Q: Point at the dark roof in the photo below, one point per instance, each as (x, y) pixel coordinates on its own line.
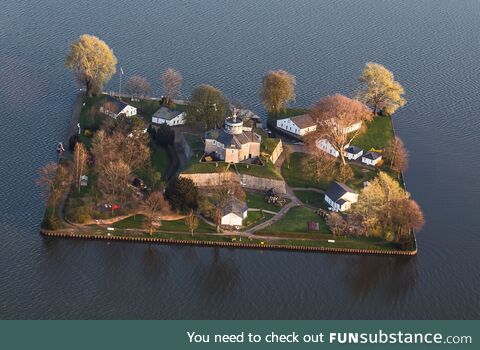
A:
(336, 190)
(220, 135)
(166, 113)
(235, 206)
(372, 155)
(303, 121)
(353, 150)
(117, 105)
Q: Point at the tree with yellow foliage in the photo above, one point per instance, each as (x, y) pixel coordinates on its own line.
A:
(278, 89)
(92, 61)
(379, 90)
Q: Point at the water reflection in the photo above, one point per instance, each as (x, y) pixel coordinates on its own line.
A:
(219, 276)
(390, 277)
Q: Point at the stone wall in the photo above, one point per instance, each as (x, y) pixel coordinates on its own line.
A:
(262, 184)
(247, 181)
(211, 179)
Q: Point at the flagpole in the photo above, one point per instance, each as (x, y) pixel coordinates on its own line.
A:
(120, 88)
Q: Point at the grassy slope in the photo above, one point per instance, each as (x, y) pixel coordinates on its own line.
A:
(257, 200)
(379, 133)
(295, 221)
(160, 160)
(311, 198)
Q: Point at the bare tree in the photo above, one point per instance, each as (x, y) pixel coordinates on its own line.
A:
(337, 224)
(80, 159)
(407, 216)
(152, 207)
(137, 86)
(172, 82)
(378, 89)
(319, 167)
(334, 116)
(54, 180)
(113, 180)
(396, 154)
(278, 89)
(191, 221)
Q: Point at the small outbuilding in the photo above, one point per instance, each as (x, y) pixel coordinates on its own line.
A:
(84, 180)
(340, 197)
(234, 213)
(168, 116)
(371, 158)
(353, 152)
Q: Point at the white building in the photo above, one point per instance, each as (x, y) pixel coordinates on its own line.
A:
(327, 147)
(353, 152)
(371, 158)
(169, 116)
(300, 125)
(234, 213)
(351, 128)
(113, 108)
(340, 197)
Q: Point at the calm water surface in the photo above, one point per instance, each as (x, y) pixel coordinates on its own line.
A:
(433, 46)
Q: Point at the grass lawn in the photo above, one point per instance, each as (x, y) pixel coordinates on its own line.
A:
(138, 221)
(257, 200)
(297, 177)
(255, 218)
(379, 132)
(295, 221)
(312, 198)
(161, 160)
(267, 170)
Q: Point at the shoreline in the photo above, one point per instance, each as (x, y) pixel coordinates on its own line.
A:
(169, 241)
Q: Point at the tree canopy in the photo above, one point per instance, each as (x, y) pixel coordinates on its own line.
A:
(278, 89)
(182, 194)
(378, 89)
(208, 107)
(384, 207)
(333, 116)
(92, 62)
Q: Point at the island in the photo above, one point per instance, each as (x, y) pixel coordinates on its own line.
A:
(208, 171)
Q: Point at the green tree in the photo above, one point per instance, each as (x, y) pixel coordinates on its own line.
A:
(191, 221)
(92, 62)
(164, 135)
(208, 107)
(378, 89)
(278, 89)
(182, 194)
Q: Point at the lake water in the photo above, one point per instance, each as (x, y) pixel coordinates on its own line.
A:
(432, 46)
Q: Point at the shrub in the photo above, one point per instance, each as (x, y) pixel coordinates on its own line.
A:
(51, 222)
(99, 215)
(81, 214)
